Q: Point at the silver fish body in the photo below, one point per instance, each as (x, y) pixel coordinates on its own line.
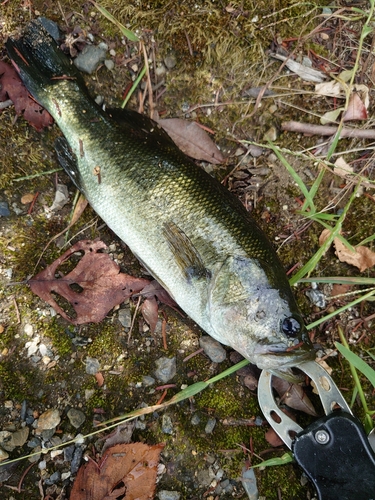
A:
(193, 235)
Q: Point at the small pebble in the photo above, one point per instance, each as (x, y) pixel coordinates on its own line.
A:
(56, 476)
(148, 381)
(109, 64)
(170, 61)
(28, 329)
(76, 461)
(56, 453)
(166, 369)
(27, 198)
(271, 134)
(90, 58)
(211, 422)
(249, 483)
(49, 419)
(125, 317)
(166, 424)
(92, 366)
(76, 417)
(68, 453)
(4, 209)
(3, 455)
(19, 437)
(34, 442)
(45, 351)
(42, 464)
(195, 419)
(169, 495)
(213, 349)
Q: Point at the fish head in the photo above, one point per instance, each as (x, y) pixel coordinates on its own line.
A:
(257, 318)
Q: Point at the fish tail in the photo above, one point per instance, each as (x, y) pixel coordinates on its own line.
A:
(39, 61)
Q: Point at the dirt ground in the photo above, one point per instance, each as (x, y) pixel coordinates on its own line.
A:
(207, 60)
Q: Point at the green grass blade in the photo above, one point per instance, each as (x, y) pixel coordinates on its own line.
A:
(357, 362)
(125, 31)
(314, 187)
(134, 86)
(284, 459)
(296, 178)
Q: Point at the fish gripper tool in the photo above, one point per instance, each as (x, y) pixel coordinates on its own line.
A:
(333, 451)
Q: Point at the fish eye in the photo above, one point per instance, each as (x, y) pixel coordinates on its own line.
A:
(291, 327)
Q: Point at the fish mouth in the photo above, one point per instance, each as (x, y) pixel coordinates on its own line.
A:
(278, 357)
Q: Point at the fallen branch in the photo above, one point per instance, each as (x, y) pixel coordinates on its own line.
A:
(308, 128)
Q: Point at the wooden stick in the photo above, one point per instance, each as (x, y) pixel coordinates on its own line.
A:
(308, 128)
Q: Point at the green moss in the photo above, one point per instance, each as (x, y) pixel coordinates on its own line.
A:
(56, 331)
(17, 380)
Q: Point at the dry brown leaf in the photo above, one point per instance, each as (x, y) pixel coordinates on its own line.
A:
(11, 87)
(356, 109)
(363, 257)
(126, 471)
(149, 310)
(342, 168)
(293, 395)
(192, 139)
(324, 236)
(272, 437)
(102, 285)
(340, 289)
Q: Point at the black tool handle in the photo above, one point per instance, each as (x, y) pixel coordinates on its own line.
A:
(336, 455)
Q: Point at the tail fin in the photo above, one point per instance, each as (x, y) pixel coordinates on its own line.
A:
(39, 61)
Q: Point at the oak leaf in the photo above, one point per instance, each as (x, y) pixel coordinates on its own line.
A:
(101, 286)
(125, 471)
(11, 87)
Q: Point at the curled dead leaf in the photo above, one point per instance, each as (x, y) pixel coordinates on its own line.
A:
(11, 87)
(293, 395)
(356, 109)
(362, 257)
(192, 139)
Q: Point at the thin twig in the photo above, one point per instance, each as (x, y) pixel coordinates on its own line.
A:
(308, 128)
(17, 311)
(133, 318)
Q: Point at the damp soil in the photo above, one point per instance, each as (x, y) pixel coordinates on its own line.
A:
(221, 50)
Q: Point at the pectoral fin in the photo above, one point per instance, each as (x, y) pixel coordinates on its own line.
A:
(186, 255)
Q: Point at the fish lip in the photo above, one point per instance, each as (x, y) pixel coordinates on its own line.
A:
(279, 358)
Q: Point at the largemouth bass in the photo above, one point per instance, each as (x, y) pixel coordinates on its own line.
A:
(187, 229)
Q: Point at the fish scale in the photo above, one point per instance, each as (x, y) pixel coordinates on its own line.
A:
(186, 228)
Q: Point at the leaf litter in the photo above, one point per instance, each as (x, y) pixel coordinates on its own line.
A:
(12, 88)
(125, 471)
(95, 286)
(363, 258)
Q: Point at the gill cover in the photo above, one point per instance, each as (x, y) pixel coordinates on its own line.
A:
(244, 303)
